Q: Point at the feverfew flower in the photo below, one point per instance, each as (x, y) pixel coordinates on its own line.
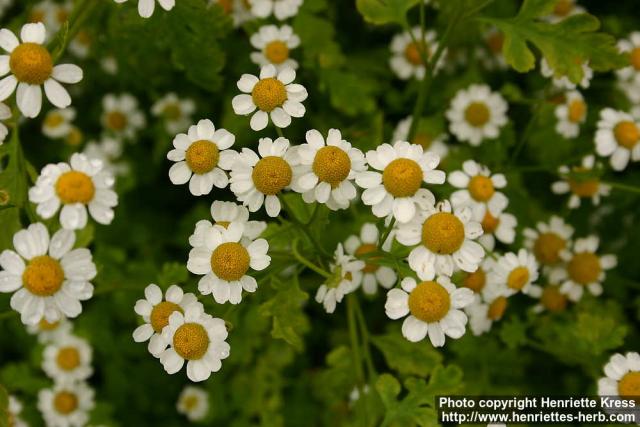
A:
(146, 7)
(346, 273)
(327, 169)
(581, 182)
(202, 156)
(622, 376)
(571, 114)
(53, 15)
(518, 272)
(49, 278)
(396, 189)
(240, 10)
(31, 66)
(281, 9)
(551, 300)
(549, 240)
(193, 402)
(501, 227)
(50, 332)
(5, 113)
(618, 137)
(121, 115)
(477, 113)
(58, 123)
(68, 359)
(433, 308)
(435, 143)
(563, 82)
(223, 214)
(67, 404)
(408, 56)
(78, 185)
(478, 190)
(15, 407)
(109, 151)
(487, 309)
(629, 77)
(175, 112)
(273, 94)
(274, 46)
(563, 9)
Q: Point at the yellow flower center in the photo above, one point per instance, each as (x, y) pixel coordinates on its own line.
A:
(75, 187)
(481, 188)
(48, 326)
(62, 15)
(84, 38)
(68, 358)
(224, 224)
(518, 277)
(547, 248)
(627, 134)
(364, 249)
(116, 120)
(495, 42)
(563, 8)
(402, 177)
(160, 314)
(271, 175)
(172, 111)
(191, 341)
(422, 139)
(53, 120)
(584, 268)
(276, 52)
(552, 299)
(190, 402)
(475, 281)
(268, 94)
(429, 302)
(31, 63)
(583, 187)
(413, 52)
(65, 402)
(477, 114)
(634, 58)
(577, 110)
(443, 233)
(629, 386)
(43, 276)
(4, 197)
(230, 261)
(497, 308)
(490, 223)
(75, 137)
(36, 15)
(332, 165)
(202, 156)
(227, 6)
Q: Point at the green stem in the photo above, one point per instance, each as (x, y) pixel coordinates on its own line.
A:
(477, 9)
(353, 334)
(387, 231)
(371, 370)
(526, 134)
(306, 262)
(624, 187)
(8, 314)
(78, 16)
(280, 132)
(303, 227)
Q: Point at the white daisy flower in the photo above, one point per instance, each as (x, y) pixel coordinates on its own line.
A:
(147, 7)
(202, 156)
(175, 112)
(155, 312)
(618, 137)
(571, 114)
(396, 189)
(444, 239)
(564, 9)
(259, 180)
(585, 268)
(121, 115)
(407, 55)
(490, 308)
(478, 190)
(274, 46)
(50, 332)
(622, 377)
(224, 261)
(15, 407)
(518, 272)
(53, 15)
(429, 142)
(327, 169)
(31, 66)
(68, 359)
(492, 57)
(193, 402)
(477, 280)
(581, 183)
(346, 273)
(109, 151)
(240, 10)
(198, 339)
(433, 308)
(67, 404)
(81, 44)
(5, 114)
(372, 274)
(629, 77)
(78, 185)
(501, 227)
(49, 278)
(477, 113)
(273, 94)
(551, 300)
(549, 240)
(281, 9)
(563, 82)
(58, 123)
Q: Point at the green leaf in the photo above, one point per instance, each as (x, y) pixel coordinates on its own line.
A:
(405, 357)
(172, 273)
(385, 11)
(513, 332)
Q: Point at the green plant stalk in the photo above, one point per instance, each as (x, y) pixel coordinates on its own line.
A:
(623, 187)
(387, 231)
(303, 228)
(366, 344)
(353, 335)
(306, 262)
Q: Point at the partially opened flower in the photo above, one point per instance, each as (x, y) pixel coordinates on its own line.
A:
(618, 137)
(478, 190)
(66, 404)
(551, 299)
(193, 402)
(409, 52)
(121, 115)
(501, 227)
(571, 114)
(622, 376)
(175, 112)
(549, 240)
(68, 359)
(582, 182)
(58, 123)
(518, 272)
(281, 9)
(487, 309)
(346, 273)
(564, 9)
(275, 45)
(147, 7)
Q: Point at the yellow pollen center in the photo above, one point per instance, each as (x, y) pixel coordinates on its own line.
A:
(584, 268)
(116, 120)
(84, 38)
(65, 402)
(489, 223)
(413, 52)
(227, 6)
(497, 308)
(443, 233)
(577, 110)
(43, 276)
(481, 188)
(172, 111)
(364, 249)
(230, 261)
(223, 224)
(629, 386)
(53, 120)
(191, 341)
(75, 137)
(475, 281)
(477, 114)
(563, 8)
(268, 94)
(68, 358)
(429, 302)
(584, 187)
(202, 156)
(75, 187)
(518, 278)
(276, 52)
(31, 63)
(635, 58)
(495, 42)
(402, 177)
(423, 140)
(331, 165)
(48, 326)
(547, 248)
(190, 402)
(627, 134)
(552, 299)
(62, 15)
(271, 175)
(160, 314)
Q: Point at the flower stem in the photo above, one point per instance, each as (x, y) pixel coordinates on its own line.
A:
(371, 370)
(306, 262)
(280, 132)
(387, 231)
(353, 334)
(624, 187)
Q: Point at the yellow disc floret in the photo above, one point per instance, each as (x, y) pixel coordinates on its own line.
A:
(43, 276)
(414, 51)
(627, 134)
(497, 308)
(634, 58)
(230, 261)
(481, 188)
(172, 111)
(276, 52)
(443, 233)
(584, 268)
(422, 139)
(53, 120)
(191, 341)
(518, 278)
(563, 8)
(364, 249)
(402, 177)
(116, 120)
(586, 187)
(65, 402)
(268, 94)
(68, 358)
(202, 156)
(629, 386)
(477, 114)
(160, 314)
(475, 281)
(489, 223)
(331, 165)
(547, 248)
(75, 187)
(577, 110)
(552, 299)
(271, 175)
(31, 63)
(429, 302)
(44, 325)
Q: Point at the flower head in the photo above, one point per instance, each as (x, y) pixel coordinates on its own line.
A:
(622, 376)
(274, 46)
(147, 7)
(582, 182)
(193, 402)
(68, 359)
(571, 113)
(618, 137)
(66, 404)
(517, 272)
(175, 112)
(478, 190)
(409, 51)
(281, 9)
(121, 115)
(346, 275)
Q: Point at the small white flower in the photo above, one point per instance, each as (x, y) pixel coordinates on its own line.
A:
(175, 112)
(618, 137)
(281, 9)
(58, 123)
(518, 272)
(147, 7)
(436, 143)
(54, 278)
(155, 312)
(240, 10)
(121, 115)
(274, 46)
(629, 77)
(548, 241)
(444, 239)
(571, 114)
(581, 182)
(198, 339)
(563, 82)
(259, 180)
(477, 113)
(68, 359)
(622, 376)
(31, 66)
(564, 9)
(396, 189)
(551, 300)
(501, 227)
(433, 308)
(224, 261)
(273, 94)
(193, 402)
(478, 190)
(5, 113)
(78, 185)
(81, 44)
(109, 151)
(15, 407)
(408, 56)
(491, 54)
(346, 274)
(50, 332)
(487, 309)
(67, 404)
(53, 15)
(202, 156)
